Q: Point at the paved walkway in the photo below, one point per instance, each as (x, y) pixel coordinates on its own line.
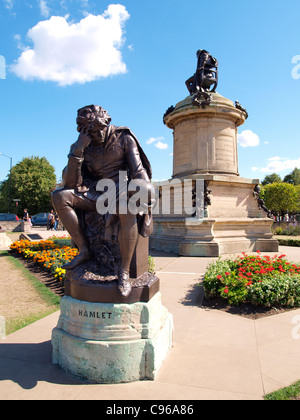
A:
(216, 355)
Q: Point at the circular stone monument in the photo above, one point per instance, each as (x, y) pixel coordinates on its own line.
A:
(205, 139)
(229, 216)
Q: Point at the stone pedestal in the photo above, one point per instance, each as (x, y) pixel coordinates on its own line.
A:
(205, 151)
(112, 343)
(2, 327)
(4, 240)
(25, 226)
(205, 140)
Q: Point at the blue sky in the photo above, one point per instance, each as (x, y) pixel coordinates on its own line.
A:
(56, 62)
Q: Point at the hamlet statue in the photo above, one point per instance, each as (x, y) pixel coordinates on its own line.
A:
(103, 152)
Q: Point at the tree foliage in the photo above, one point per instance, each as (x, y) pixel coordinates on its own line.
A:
(270, 179)
(280, 197)
(298, 197)
(32, 180)
(293, 177)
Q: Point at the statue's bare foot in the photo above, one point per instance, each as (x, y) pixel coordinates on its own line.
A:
(82, 257)
(124, 285)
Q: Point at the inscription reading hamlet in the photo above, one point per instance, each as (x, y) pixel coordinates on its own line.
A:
(94, 314)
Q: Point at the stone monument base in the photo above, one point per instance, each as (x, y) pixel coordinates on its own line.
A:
(25, 226)
(213, 237)
(112, 343)
(4, 240)
(2, 327)
(233, 222)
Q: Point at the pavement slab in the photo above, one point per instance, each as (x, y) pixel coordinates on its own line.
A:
(215, 356)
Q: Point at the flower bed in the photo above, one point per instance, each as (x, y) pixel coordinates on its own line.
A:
(53, 253)
(256, 279)
(50, 254)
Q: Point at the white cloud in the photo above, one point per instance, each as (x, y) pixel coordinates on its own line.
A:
(154, 139)
(69, 53)
(162, 146)
(8, 4)
(45, 11)
(248, 139)
(278, 164)
(254, 168)
(158, 142)
(151, 140)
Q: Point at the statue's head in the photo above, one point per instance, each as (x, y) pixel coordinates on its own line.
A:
(92, 118)
(199, 52)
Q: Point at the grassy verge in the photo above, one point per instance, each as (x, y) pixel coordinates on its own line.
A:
(285, 394)
(52, 301)
(16, 324)
(41, 289)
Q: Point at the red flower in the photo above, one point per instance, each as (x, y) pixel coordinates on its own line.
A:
(227, 274)
(219, 277)
(226, 290)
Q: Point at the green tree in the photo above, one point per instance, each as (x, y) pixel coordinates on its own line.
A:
(270, 179)
(32, 181)
(280, 197)
(298, 197)
(293, 177)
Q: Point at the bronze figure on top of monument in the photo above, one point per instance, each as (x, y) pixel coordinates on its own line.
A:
(112, 242)
(205, 76)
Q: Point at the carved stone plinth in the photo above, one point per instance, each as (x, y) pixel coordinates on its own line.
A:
(112, 343)
(25, 226)
(104, 337)
(4, 240)
(232, 223)
(2, 327)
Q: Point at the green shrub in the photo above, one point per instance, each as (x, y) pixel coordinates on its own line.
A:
(256, 279)
(151, 265)
(278, 231)
(280, 290)
(61, 242)
(212, 282)
(288, 242)
(288, 231)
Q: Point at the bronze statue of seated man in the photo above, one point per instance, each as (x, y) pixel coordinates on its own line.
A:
(103, 151)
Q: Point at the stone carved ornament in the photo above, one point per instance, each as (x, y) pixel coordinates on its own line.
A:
(260, 201)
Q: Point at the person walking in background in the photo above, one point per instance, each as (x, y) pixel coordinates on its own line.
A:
(25, 216)
(56, 221)
(51, 220)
